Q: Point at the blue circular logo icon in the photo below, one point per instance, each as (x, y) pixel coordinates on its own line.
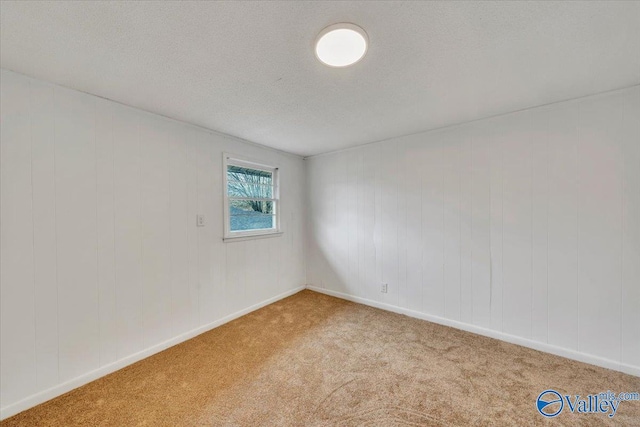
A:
(550, 403)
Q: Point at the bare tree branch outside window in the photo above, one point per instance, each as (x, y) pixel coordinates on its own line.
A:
(251, 184)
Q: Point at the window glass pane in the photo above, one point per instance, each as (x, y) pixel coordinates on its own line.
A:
(245, 182)
(244, 189)
(250, 207)
(251, 215)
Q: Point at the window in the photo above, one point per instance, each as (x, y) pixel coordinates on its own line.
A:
(251, 199)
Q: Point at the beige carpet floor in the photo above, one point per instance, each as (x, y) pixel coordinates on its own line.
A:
(314, 360)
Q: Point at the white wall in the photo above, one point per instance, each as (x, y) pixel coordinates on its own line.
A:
(102, 263)
(524, 227)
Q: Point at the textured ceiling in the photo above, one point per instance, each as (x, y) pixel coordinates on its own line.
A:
(248, 69)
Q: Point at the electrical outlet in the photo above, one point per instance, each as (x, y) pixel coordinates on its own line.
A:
(383, 288)
(200, 220)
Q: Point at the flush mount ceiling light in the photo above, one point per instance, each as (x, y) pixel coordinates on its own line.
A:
(341, 45)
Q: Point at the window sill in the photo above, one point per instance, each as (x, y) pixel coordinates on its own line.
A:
(252, 237)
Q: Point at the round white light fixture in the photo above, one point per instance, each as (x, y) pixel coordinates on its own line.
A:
(341, 45)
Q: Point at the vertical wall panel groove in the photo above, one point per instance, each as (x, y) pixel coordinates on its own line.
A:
(106, 237)
(630, 266)
(599, 203)
(44, 232)
(77, 233)
(18, 333)
(539, 225)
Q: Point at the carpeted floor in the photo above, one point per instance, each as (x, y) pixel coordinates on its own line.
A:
(314, 360)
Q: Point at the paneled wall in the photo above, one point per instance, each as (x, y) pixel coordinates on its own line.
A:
(102, 262)
(524, 227)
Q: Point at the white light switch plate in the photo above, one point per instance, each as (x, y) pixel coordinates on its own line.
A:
(200, 220)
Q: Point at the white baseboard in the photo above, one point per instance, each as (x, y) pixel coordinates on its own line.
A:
(67, 386)
(536, 345)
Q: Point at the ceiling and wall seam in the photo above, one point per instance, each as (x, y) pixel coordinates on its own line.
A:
(249, 70)
(172, 119)
(327, 153)
(462, 124)
(356, 147)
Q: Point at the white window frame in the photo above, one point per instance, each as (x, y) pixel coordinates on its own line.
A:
(241, 161)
